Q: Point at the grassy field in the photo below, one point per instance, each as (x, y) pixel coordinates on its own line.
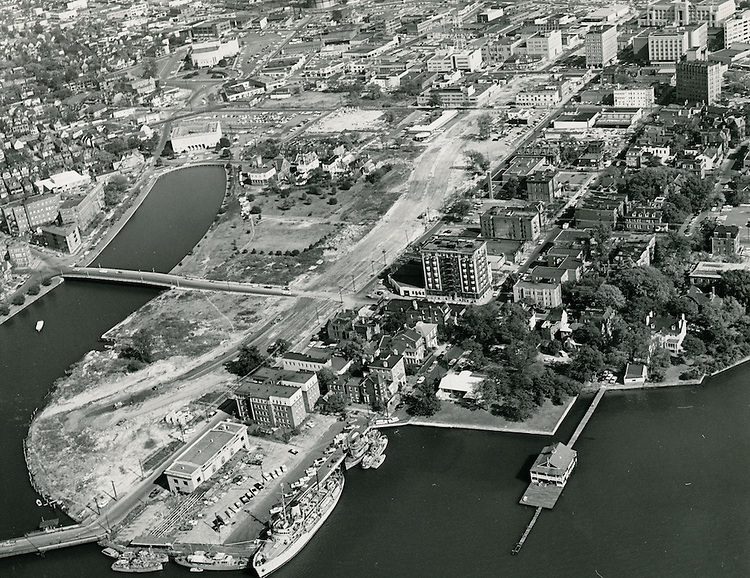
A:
(451, 414)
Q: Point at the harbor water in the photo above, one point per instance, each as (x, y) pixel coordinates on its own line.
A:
(660, 488)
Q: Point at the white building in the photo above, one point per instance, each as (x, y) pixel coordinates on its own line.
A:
(634, 97)
(206, 54)
(545, 44)
(684, 12)
(546, 96)
(63, 182)
(205, 456)
(601, 45)
(737, 29)
(195, 135)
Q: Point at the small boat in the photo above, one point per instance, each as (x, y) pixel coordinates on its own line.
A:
(196, 569)
(367, 461)
(39, 325)
(111, 552)
(378, 461)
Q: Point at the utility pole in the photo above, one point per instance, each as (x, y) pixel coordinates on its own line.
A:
(114, 490)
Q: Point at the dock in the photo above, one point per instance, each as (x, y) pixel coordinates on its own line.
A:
(545, 495)
(592, 408)
(518, 546)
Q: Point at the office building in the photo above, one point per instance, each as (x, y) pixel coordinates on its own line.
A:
(737, 29)
(601, 46)
(634, 97)
(270, 404)
(517, 224)
(699, 81)
(190, 136)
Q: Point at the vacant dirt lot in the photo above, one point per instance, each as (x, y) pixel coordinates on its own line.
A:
(349, 119)
(106, 422)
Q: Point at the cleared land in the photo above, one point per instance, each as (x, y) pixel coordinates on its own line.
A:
(349, 119)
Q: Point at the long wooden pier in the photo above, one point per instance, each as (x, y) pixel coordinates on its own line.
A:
(545, 496)
(592, 408)
(526, 533)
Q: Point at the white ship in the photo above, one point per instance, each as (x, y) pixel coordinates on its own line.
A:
(293, 528)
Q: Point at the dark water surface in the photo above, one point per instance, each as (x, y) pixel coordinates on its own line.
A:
(661, 488)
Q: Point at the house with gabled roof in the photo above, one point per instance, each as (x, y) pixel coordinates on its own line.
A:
(554, 465)
(666, 331)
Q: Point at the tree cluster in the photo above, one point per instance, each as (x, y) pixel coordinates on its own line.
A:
(248, 360)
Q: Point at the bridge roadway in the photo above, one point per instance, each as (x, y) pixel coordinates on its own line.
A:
(40, 542)
(169, 281)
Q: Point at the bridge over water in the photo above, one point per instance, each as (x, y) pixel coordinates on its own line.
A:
(170, 281)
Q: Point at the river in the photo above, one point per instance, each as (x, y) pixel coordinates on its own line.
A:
(659, 489)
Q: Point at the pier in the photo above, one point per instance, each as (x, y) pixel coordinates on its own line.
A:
(592, 408)
(546, 493)
(518, 547)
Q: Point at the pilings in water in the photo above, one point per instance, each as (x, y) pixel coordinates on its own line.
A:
(526, 533)
(597, 398)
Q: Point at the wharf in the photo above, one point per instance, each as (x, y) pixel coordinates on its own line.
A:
(592, 408)
(539, 496)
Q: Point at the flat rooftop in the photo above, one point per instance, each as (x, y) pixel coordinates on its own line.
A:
(208, 127)
(202, 450)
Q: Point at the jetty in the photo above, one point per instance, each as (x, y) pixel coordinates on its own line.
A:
(551, 471)
(526, 533)
(592, 408)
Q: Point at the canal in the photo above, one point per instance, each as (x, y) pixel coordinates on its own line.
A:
(660, 489)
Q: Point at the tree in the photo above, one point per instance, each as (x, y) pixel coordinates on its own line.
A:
(326, 379)
(336, 403)
(459, 209)
(115, 188)
(609, 296)
(484, 124)
(248, 360)
(149, 68)
(658, 364)
(18, 299)
(586, 364)
(476, 162)
(422, 400)
(33, 290)
(4, 309)
(140, 347)
(736, 283)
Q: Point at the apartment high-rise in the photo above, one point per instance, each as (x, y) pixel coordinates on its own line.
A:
(699, 81)
(456, 269)
(601, 45)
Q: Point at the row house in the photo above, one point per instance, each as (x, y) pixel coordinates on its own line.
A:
(645, 217)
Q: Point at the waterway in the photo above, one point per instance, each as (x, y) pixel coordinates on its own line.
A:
(660, 489)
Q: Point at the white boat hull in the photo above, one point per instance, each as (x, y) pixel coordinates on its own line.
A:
(277, 562)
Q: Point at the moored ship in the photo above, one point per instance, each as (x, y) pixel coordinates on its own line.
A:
(137, 565)
(378, 461)
(378, 446)
(293, 528)
(217, 561)
(357, 449)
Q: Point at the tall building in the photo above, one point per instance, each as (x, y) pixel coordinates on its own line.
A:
(601, 45)
(270, 404)
(737, 29)
(456, 269)
(699, 81)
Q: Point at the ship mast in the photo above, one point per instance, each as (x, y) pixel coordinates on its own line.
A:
(283, 506)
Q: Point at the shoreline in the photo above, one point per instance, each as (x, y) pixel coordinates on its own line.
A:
(107, 238)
